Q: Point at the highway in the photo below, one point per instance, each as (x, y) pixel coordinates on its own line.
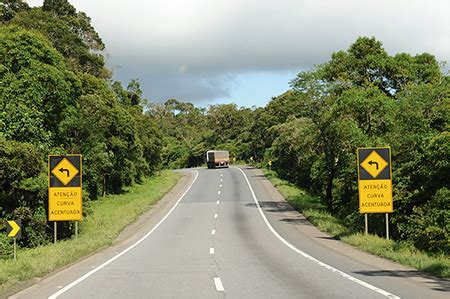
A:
(227, 233)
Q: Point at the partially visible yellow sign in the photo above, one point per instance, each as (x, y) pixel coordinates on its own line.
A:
(375, 180)
(64, 191)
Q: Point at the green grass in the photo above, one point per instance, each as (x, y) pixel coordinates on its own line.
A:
(404, 253)
(108, 217)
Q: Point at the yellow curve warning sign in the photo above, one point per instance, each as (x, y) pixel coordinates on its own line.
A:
(375, 180)
(65, 171)
(374, 164)
(65, 189)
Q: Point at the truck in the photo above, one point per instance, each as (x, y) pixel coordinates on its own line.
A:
(217, 159)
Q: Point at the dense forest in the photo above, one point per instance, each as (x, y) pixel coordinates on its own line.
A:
(57, 96)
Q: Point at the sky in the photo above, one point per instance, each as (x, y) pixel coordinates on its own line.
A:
(247, 51)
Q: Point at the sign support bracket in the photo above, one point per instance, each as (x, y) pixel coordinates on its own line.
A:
(76, 229)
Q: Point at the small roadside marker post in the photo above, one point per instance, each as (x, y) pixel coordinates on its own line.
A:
(14, 230)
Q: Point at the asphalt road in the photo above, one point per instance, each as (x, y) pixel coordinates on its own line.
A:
(228, 233)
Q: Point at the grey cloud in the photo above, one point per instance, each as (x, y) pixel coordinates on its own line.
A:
(193, 49)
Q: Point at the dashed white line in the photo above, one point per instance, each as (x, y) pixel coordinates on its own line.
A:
(218, 192)
(221, 180)
(213, 232)
(75, 282)
(220, 186)
(215, 215)
(211, 251)
(309, 257)
(218, 201)
(219, 285)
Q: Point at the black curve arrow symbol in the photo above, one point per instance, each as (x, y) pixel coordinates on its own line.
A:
(68, 173)
(371, 163)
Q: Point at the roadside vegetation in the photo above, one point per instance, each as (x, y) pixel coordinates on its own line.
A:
(57, 97)
(402, 252)
(107, 218)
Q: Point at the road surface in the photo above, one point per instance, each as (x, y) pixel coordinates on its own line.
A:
(227, 233)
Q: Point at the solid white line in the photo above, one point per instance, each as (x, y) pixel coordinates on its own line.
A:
(219, 285)
(213, 232)
(74, 283)
(218, 192)
(339, 272)
(215, 215)
(211, 251)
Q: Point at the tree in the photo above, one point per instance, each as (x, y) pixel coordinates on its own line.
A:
(72, 35)
(9, 9)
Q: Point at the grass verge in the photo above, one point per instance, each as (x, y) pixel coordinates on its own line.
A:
(402, 252)
(108, 217)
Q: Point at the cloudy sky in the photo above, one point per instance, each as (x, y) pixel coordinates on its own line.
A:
(247, 51)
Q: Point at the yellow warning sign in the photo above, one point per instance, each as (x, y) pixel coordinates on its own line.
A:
(375, 196)
(374, 164)
(375, 180)
(65, 171)
(65, 188)
(64, 204)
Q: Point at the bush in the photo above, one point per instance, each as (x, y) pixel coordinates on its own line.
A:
(430, 224)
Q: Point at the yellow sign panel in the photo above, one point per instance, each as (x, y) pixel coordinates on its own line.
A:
(375, 196)
(374, 164)
(65, 171)
(64, 203)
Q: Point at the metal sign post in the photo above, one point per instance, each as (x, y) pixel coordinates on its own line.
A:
(55, 234)
(15, 250)
(366, 228)
(387, 226)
